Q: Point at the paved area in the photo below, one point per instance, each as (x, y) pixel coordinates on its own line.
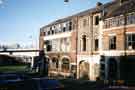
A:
(78, 84)
(70, 84)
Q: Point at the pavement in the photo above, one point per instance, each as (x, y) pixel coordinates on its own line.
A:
(79, 84)
(72, 84)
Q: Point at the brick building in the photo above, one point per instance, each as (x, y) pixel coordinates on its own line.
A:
(58, 39)
(89, 43)
(118, 60)
(98, 42)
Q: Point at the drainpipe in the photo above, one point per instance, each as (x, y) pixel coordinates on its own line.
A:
(124, 33)
(91, 53)
(77, 47)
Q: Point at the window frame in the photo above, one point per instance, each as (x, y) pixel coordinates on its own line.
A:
(131, 41)
(84, 43)
(96, 44)
(97, 18)
(112, 42)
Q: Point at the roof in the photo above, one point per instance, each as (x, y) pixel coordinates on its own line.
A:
(58, 21)
(119, 9)
(89, 11)
(109, 9)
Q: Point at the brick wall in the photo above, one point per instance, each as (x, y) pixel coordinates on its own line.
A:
(119, 37)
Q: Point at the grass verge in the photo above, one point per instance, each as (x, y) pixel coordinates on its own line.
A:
(13, 68)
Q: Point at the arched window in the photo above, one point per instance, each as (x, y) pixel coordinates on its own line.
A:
(65, 64)
(84, 42)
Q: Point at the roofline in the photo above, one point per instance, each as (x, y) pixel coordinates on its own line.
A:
(83, 13)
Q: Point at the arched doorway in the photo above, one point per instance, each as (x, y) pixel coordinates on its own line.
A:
(65, 64)
(83, 70)
(112, 69)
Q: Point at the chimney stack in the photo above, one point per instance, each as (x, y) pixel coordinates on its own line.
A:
(98, 4)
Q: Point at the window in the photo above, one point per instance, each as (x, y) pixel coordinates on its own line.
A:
(96, 44)
(49, 48)
(110, 23)
(121, 20)
(131, 41)
(48, 33)
(84, 22)
(50, 28)
(114, 22)
(65, 44)
(65, 64)
(64, 29)
(48, 45)
(130, 19)
(52, 31)
(105, 23)
(96, 20)
(70, 26)
(84, 43)
(112, 42)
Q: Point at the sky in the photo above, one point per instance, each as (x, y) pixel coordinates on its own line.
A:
(21, 20)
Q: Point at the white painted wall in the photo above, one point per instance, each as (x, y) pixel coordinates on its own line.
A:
(92, 60)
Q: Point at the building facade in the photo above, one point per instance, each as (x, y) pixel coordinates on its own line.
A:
(96, 43)
(118, 60)
(58, 39)
(89, 43)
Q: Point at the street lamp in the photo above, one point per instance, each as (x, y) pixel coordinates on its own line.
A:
(66, 1)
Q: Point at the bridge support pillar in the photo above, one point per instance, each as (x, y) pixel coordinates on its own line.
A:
(10, 53)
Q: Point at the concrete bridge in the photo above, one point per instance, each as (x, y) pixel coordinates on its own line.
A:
(27, 54)
(12, 51)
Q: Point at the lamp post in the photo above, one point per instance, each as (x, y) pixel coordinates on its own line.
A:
(66, 1)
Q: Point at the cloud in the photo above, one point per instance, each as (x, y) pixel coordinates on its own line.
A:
(1, 2)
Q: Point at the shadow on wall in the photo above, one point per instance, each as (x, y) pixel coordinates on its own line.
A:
(118, 67)
(127, 67)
